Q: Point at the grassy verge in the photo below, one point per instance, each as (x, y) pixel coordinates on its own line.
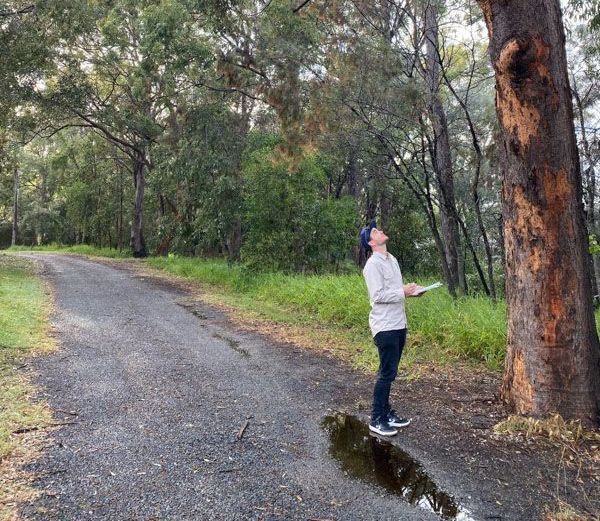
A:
(82, 249)
(336, 307)
(23, 331)
(331, 311)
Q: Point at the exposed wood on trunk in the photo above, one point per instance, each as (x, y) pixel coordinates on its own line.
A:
(553, 355)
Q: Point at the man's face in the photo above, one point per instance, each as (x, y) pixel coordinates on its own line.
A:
(378, 238)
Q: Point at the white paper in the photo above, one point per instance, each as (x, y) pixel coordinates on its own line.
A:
(433, 286)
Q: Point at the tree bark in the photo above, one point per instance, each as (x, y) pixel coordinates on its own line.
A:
(138, 245)
(553, 355)
(163, 244)
(442, 160)
(15, 212)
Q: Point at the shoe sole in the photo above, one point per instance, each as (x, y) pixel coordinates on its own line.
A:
(400, 424)
(382, 433)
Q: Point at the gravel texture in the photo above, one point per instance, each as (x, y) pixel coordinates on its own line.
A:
(159, 387)
(159, 394)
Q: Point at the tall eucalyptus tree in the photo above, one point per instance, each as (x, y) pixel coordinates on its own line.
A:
(553, 356)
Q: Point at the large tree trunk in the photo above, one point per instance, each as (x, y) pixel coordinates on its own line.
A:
(15, 213)
(553, 357)
(138, 245)
(442, 159)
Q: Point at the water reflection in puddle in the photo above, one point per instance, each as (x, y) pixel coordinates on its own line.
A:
(374, 460)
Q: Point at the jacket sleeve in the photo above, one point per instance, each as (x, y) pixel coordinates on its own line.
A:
(378, 293)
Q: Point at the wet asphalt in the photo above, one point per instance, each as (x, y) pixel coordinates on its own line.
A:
(157, 389)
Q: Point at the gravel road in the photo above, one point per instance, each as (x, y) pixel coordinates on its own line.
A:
(158, 395)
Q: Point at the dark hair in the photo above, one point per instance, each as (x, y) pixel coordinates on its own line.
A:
(365, 235)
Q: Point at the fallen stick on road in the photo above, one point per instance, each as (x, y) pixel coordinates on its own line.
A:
(242, 429)
(40, 427)
(67, 412)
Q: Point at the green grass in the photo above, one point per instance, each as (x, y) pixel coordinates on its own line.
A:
(472, 329)
(82, 249)
(23, 330)
(24, 309)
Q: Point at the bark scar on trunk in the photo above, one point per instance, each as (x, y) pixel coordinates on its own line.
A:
(558, 193)
(521, 386)
(523, 80)
(540, 233)
(529, 227)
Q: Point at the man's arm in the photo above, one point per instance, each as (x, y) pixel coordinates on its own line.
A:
(377, 292)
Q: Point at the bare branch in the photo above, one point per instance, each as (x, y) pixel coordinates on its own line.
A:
(24, 10)
(303, 4)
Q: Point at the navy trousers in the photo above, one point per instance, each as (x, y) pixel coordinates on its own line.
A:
(389, 345)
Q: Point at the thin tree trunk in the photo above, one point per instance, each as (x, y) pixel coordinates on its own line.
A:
(164, 243)
(439, 243)
(590, 187)
(471, 248)
(596, 268)
(475, 192)
(353, 190)
(425, 200)
(138, 245)
(15, 212)
(553, 354)
(486, 243)
(120, 230)
(234, 240)
(442, 160)
(384, 210)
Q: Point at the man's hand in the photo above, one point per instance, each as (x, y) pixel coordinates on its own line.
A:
(411, 289)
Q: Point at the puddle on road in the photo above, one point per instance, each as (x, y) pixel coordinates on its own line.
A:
(374, 460)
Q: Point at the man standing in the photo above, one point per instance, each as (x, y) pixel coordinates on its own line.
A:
(388, 323)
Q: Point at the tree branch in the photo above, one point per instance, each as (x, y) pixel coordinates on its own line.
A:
(303, 4)
(24, 10)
